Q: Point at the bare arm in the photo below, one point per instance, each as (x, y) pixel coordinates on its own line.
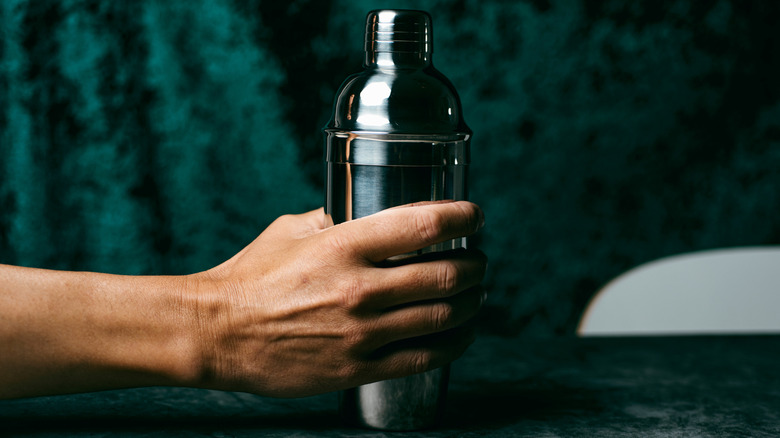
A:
(66, 332)
(302, 310)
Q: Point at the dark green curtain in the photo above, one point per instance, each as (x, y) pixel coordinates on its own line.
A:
(150, 137)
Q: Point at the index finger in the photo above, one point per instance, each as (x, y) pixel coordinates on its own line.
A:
(401, 230)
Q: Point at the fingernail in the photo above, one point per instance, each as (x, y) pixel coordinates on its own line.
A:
(481, 221)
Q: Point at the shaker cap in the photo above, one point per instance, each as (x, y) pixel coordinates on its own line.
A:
(399, 92)
(399, 31)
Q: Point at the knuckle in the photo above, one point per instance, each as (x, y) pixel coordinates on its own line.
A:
(441, 316)
(351, 370)
(448, 276)
(339, 244)
(355, 337)
(421, 362)
(283, 219)
(429, 224)
(351, 293)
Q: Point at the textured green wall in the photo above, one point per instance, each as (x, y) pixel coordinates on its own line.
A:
(162, 136)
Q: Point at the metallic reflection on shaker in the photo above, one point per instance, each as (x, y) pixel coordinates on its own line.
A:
(397, 136)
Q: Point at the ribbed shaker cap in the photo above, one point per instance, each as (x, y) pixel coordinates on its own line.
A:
(399, 31)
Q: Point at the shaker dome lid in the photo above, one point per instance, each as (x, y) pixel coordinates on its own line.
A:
(399, 30)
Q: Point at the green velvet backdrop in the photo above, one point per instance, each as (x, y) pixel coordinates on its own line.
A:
(162, 136)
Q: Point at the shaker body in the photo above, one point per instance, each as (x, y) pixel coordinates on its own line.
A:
(407, 403)
(367, 173)
(397, 136)
(386, 171)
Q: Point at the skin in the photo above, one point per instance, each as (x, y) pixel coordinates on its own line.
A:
(304, 309)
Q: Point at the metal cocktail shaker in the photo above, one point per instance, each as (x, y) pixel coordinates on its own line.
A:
(397, 136)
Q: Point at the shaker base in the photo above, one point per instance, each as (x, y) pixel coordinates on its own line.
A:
(407, 403)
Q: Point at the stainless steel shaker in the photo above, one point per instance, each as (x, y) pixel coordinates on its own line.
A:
(397, 136)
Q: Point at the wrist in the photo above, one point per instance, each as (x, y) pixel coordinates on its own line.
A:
(148, 330)
(204, 309)
(179, 350)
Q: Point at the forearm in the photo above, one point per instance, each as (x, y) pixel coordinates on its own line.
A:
(64, 332)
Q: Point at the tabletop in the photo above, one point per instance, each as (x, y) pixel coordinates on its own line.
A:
(703, 386)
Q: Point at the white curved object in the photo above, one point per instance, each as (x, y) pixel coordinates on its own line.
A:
(721, 291)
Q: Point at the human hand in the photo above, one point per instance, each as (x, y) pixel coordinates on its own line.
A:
(306, 309)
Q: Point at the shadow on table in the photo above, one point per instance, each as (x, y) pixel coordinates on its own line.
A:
(485, 405)
(312, 422)
(497, 404)
(173, 411)
(480, 406)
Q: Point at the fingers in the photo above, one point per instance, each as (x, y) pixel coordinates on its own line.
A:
(421, 301)
(401, 230)
(427, 318)
(445, 274)
(417, 355)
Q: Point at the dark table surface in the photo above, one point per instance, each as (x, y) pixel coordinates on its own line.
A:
(708, 386)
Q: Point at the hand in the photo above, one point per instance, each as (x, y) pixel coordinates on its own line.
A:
(306, 309)
(303, 309)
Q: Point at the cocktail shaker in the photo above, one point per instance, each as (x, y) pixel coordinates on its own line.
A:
(397, 136)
